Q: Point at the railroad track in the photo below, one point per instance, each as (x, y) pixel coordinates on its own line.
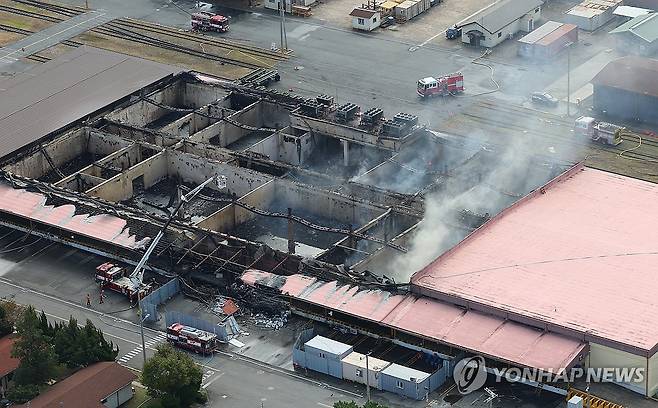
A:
(123, 29)
(510, 125)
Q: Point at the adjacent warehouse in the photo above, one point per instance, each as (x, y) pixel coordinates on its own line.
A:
(357, 369)
(323, 355)
(592, 14)
(627, 88)
(639, 35)
(596, 282)
(548, 40)
(499, 21)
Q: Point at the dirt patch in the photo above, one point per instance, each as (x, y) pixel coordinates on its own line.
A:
(23, 22)
(7, 38)
(171, 57)
(54, 51)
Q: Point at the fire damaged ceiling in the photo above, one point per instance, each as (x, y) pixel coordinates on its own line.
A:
(312, 187)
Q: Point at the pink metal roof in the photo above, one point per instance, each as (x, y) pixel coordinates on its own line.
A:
(432, 319)
(578, 254)
(33, 206)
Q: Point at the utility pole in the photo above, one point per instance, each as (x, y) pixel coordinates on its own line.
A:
(87, 4)
(285, 34)
(281, 12)
(569, 78)
(367, 379)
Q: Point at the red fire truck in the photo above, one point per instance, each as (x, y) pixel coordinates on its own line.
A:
(444, 85)
(597, 131)
(113, 277)
(189, 338)
(204, 21)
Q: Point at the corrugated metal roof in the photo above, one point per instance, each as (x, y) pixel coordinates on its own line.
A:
(32, 205)
(644, 27)
(587, 235)
(328, 345)
(499, 14)
(633, 74)
(629, 11)
(359, 360)
(434, 320)
(541, 32)
(558, 34)
(405, 373)
(67, 88)
(591, 8)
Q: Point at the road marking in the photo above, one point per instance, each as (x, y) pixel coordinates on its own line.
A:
(217, 377)
(158, 332)
(324, 405)
(53, 35)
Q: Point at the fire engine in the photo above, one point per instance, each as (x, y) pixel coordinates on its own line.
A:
(190, 338)
(113, 277)
(205, 21)
(597, 131)
(444, 85)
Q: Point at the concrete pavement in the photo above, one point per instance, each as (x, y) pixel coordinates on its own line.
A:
(231, 381)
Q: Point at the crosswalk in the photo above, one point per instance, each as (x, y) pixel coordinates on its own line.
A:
(151, 343)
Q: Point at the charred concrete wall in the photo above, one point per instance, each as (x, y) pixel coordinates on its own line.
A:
(285, 147)
(142, 175)
(66, 149)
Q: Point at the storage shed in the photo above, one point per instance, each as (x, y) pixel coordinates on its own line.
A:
(323, 355)
(365, 19)
(354, 369)
(648, 4)
(592, 14)
(627, 88)
(405, 381)
(548, 40)
(639, 35)
(499, 21)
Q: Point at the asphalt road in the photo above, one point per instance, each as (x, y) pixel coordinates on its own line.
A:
(371, 70)
(230, 380)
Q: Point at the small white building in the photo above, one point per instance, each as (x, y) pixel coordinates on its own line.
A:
(365, 19)
(499, 21)
(354, 369)
(591, 14)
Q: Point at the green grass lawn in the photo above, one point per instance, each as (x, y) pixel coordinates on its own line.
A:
(141, 398)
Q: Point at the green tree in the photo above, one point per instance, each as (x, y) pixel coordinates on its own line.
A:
(94, 346)
(45, 327)
(173, 377)
(6, 327)
(67, 344)
(345, 404)
(373, 404)
(21, 394)
(33, 348)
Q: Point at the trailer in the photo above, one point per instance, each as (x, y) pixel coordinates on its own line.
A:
(193, 339)
(205, 21)
(597, 131)
(116, 279)
(443, 85)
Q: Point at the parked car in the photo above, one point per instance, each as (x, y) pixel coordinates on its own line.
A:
(453, 32)
(544, 98)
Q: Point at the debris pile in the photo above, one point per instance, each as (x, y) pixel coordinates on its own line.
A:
(275, 322)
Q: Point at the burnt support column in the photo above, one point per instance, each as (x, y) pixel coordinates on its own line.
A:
(291, 233)
(346, 153)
